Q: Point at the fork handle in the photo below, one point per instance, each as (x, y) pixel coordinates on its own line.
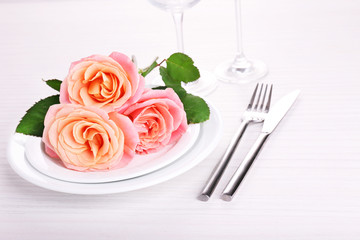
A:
(244, 167)
(221, 166)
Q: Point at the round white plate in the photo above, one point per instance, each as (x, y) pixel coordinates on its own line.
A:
(139, 165)
(208, 137)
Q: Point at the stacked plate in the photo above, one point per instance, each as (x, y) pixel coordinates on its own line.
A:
(26, 156)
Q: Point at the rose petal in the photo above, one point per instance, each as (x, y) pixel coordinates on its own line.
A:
(103, 82)
(159, 118)
(87, 138)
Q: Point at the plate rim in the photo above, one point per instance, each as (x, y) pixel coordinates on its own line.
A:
(111, 178)
(166, 173)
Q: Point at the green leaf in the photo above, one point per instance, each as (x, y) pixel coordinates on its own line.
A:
(159, 88)
(33, 121)
(180, 91)
(181, 68)
(54, 84)
(196, 109)
(147, 70)
(167, 79)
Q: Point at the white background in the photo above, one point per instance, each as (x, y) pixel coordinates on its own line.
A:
(304, 185)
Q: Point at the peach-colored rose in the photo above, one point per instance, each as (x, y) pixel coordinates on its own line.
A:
(88, 138)
(104, 82)
(159, 118)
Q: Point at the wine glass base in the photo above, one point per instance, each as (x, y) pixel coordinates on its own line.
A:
(227, 73)
(205, 85)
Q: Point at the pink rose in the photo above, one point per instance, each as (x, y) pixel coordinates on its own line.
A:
(159, 118)
(104, 82)
(88, 138)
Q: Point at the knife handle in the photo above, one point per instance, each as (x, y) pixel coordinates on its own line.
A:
(221, 166)
(245, 165)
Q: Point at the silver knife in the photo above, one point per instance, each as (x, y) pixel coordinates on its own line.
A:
(272, 120)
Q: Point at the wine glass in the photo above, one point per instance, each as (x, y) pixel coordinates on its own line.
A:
(240, 69)
(207, 82)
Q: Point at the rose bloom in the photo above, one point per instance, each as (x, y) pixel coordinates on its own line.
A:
(159, 118)
(104, 82)
(88, 138)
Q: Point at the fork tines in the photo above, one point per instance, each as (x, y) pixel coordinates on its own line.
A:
(256, 112)
(261, 97)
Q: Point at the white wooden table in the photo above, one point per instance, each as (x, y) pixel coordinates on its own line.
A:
(304, 185)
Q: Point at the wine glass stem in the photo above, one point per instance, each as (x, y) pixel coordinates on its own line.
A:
(240, 53)
(178, 21)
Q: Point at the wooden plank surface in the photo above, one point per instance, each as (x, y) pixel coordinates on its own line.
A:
(305, 183)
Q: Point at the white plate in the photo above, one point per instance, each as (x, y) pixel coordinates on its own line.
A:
(208, 137)
(139, 165)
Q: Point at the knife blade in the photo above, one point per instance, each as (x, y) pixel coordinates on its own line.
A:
(271, 122)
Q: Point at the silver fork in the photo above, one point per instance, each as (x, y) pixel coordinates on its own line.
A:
(255, 112)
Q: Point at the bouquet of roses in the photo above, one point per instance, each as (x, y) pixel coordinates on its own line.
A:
(104, 114)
